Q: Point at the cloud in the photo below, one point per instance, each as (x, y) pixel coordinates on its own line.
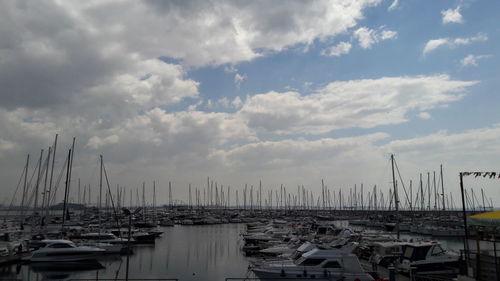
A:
(471, 60)
(364, 103)
(452, 16)
(393, 6)
(230, 69)
(424, 115)
(237, 102)
(124, 38)
(446, 146)
(368, 37)
(237, 31)
(341, 48)
(276, 153)
(97, 142)
(433, 44)
(238, 79)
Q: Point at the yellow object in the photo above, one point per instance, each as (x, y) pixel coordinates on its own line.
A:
(485, 219)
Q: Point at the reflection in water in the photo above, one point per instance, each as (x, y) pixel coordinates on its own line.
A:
(209, 252)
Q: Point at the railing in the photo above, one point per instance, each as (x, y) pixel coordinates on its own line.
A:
(320, 278)
(431, 278)
(129, 279)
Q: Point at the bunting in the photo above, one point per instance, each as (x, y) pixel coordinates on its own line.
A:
(491, 175)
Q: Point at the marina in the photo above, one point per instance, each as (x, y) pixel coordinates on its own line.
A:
(229, 140)
(236, 243)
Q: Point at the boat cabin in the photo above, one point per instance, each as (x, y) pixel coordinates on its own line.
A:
(422, 251)
(332, 259)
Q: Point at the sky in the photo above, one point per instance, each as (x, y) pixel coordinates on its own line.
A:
(283, 92)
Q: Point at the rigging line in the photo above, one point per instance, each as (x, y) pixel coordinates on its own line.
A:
(56, 186)
(28, 185)
(403, 185)
(27, 189)
(110, 195)
(14, 196)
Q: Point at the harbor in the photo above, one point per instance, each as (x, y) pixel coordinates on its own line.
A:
(226, 140)
(223, 243)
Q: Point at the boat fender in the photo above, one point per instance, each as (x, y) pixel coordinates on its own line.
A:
(282, 274)
(305, 273)
(325, 273)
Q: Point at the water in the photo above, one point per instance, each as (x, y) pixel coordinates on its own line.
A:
(209, 252)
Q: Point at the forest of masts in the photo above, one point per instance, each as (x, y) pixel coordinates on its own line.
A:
(428, 195)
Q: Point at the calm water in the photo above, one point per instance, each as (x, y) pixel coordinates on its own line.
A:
(210, 252)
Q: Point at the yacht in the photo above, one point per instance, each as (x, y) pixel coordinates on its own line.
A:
(428, 258)
(387, 253)
(105, 237)
(64, 251)
(316, 264)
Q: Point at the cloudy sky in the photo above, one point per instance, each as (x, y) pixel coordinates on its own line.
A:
(287, 92)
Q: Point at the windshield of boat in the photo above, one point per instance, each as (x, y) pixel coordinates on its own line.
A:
(416, 253)
(61, 245)
(308, 262)
(437, 251)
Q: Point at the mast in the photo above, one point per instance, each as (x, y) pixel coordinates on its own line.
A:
(429, 190)
(442, 185)
(395, 195)
(51, 175)
(143, 201)
(422, 199)
(435, 192)
(100, 193)
(66, 191)
(482, 195)
(37, 186)
(24, 190)
(154, 200)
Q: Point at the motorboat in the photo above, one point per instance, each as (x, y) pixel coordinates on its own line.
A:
(387, 253)
(64, 251)
(428, 258)
(104, 237)
(281, 249)
(107, 247)
(138, 236)
(316, 264)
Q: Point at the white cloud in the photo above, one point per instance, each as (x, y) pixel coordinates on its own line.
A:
(347, 104)
(238, 79)
(445, 146)
(433, 44)
(393, 5)
(368, 37)
(471, 60)
(388, 34)
(424, 115)
(96, 142)
(6, 145)
(224, 102)
(230, 69)
(341, 48)
(235, 30)
(452, 16)
(277, 153)
(237, 103)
